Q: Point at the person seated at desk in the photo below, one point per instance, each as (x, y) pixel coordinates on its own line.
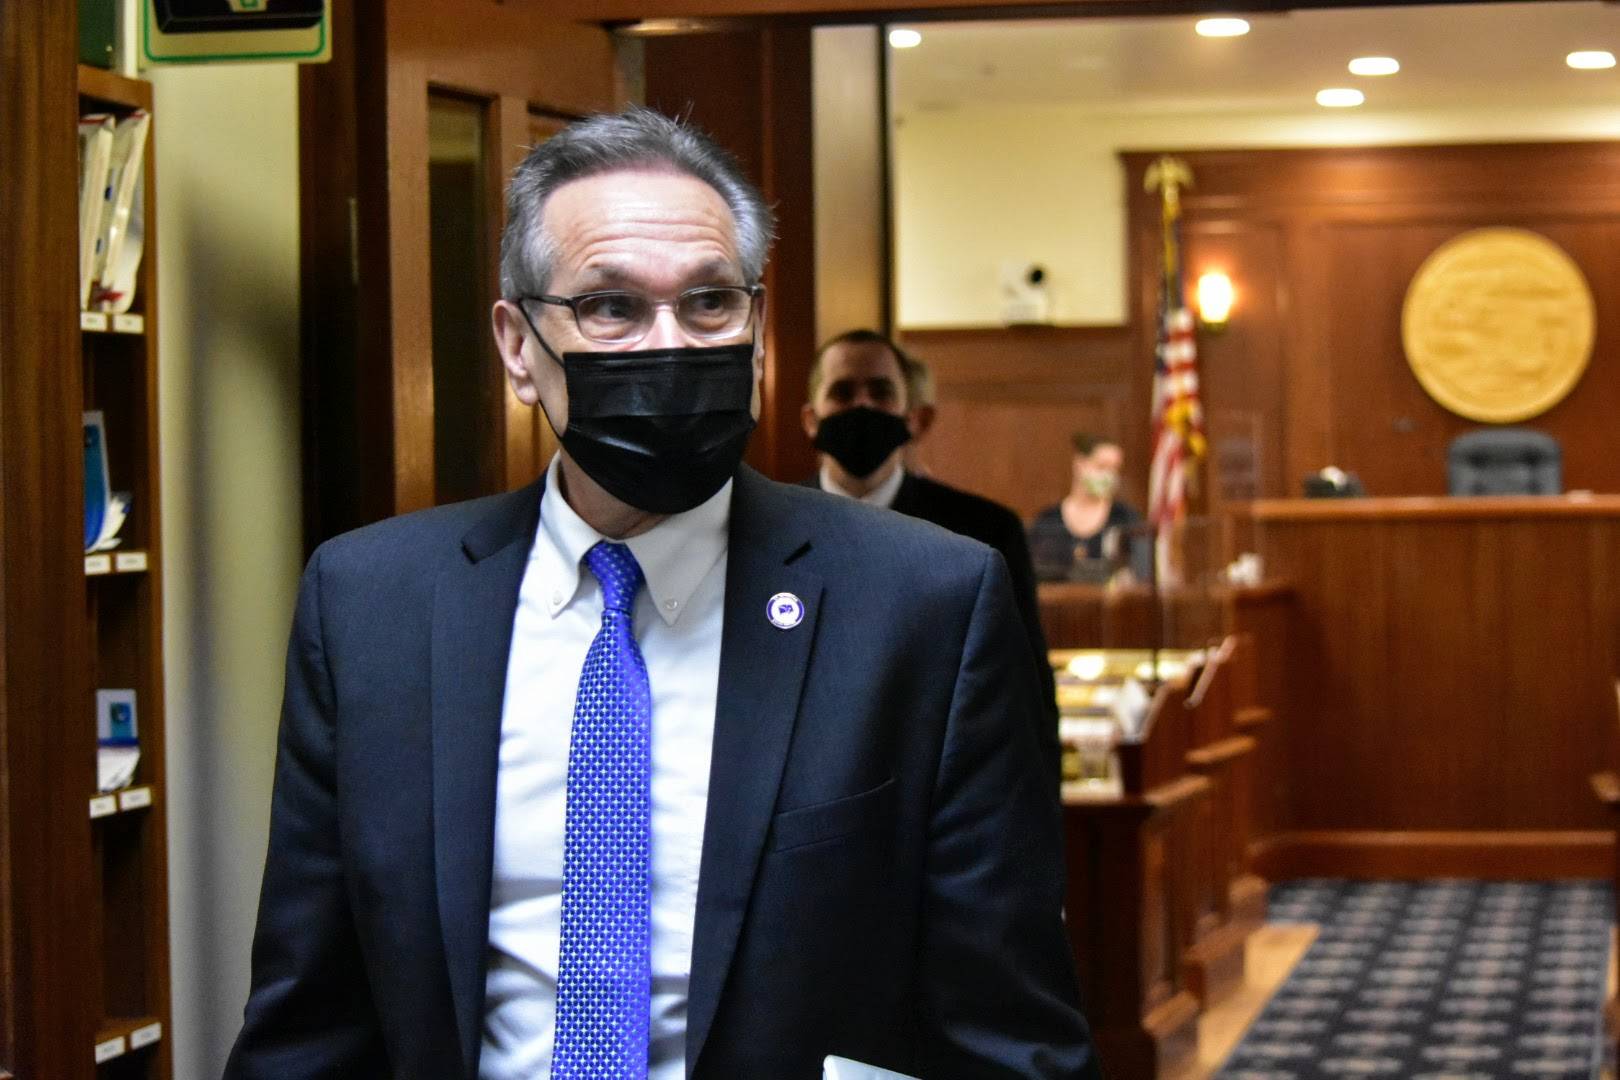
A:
(1090, 524)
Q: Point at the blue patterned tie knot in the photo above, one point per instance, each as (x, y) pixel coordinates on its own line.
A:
(619, 573)
(604, 969)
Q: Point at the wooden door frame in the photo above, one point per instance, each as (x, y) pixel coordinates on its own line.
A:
(778, 12)
(367, 321)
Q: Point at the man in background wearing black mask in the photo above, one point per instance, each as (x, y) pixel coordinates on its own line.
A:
(655, 768)
(860, 416)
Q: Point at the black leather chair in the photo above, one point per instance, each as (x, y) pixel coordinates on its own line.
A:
(1505, 461)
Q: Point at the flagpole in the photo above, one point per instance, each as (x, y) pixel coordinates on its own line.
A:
(1167, 468)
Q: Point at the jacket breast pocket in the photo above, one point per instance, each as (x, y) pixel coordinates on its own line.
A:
(830, 820)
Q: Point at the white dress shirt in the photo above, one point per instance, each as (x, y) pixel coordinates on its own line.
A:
(883, 495)
(678, 619)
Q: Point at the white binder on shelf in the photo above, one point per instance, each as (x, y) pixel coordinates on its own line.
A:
(95, 157)
(123, 225)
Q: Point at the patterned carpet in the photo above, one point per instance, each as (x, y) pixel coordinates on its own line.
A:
(1436, 980)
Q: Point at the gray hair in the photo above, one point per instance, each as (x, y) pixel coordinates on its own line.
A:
(638, 137)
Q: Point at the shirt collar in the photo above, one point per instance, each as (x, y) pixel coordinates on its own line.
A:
(675, 555)
(883, 495)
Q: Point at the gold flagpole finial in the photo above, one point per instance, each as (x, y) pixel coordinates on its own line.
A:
(1168, 175)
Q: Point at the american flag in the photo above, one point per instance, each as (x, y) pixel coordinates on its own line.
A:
(1178, 416)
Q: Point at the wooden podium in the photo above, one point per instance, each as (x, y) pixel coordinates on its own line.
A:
(1450, 687)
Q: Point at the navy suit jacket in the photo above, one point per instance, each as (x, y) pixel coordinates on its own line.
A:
(881, 873)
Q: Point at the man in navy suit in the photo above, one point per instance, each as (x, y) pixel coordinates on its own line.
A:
(864, 409)
(655, 767)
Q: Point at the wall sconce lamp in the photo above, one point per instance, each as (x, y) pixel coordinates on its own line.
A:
(1215, 297)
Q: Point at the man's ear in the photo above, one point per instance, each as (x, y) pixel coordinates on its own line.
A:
(759, 338)
(807, 417)
(511, 333)
(920, 419)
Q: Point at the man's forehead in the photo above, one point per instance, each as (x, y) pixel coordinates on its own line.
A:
(861, 360)
(647, 203)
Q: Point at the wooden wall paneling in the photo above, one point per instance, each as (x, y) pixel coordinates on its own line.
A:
(50, 993)
(410, 281)
(1354, 225)
(345, 331)
(510, 134)
(791, 277)
(968, 446)
(1241, 372)
(751, 90)
(1267, 617)
(553, 59)
(1390, 430)
(1449, 683)
(367, 320)
(850, 158)
(1022, 392)
(1309, 403)
(1385, 427)
(1575, 710)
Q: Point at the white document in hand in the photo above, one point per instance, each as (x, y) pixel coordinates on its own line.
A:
(837, 1068)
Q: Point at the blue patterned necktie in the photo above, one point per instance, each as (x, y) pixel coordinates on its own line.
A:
(604, 968)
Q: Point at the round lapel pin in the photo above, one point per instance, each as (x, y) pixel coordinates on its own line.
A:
(785, 611)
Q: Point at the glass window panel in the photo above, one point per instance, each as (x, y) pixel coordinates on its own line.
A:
(467, 380)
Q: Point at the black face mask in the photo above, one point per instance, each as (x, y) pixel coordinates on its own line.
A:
(660, 429)
(862, 438)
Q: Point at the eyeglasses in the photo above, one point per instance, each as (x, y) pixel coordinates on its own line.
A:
(612, 317)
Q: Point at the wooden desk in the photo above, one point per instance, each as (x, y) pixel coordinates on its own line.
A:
(1449, 684)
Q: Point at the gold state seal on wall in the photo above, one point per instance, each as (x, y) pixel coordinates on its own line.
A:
(1498, 324)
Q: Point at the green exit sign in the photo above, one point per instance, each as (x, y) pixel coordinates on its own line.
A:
(220, 31)
(220, 16)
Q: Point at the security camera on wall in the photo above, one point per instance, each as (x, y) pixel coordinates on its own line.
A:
(1025, 298)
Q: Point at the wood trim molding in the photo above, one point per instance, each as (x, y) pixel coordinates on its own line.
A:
(845, 11)
(1449, 508)
(1524, 855)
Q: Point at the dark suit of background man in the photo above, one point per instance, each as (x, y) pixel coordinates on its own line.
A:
(864, 411)
(654, 767)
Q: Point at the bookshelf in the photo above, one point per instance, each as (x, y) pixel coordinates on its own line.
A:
(127, 980)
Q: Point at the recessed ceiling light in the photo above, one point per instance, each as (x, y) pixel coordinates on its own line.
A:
(1590, 60)
(1340, 97)
(1374, 65)
(1223, 27)
(904, 39)
(667, 27)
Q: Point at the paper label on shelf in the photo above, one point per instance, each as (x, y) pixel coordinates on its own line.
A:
(128, 324)
(128, 562)
(135, 798)
(106, 1051)
(98, 564)
(145, 1036)
(103, 805)
(93, 320)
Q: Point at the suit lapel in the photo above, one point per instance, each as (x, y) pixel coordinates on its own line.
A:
(905, 499)
(474, 602)
(762, 672)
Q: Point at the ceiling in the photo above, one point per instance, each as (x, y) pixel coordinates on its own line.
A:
(1508, 54)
